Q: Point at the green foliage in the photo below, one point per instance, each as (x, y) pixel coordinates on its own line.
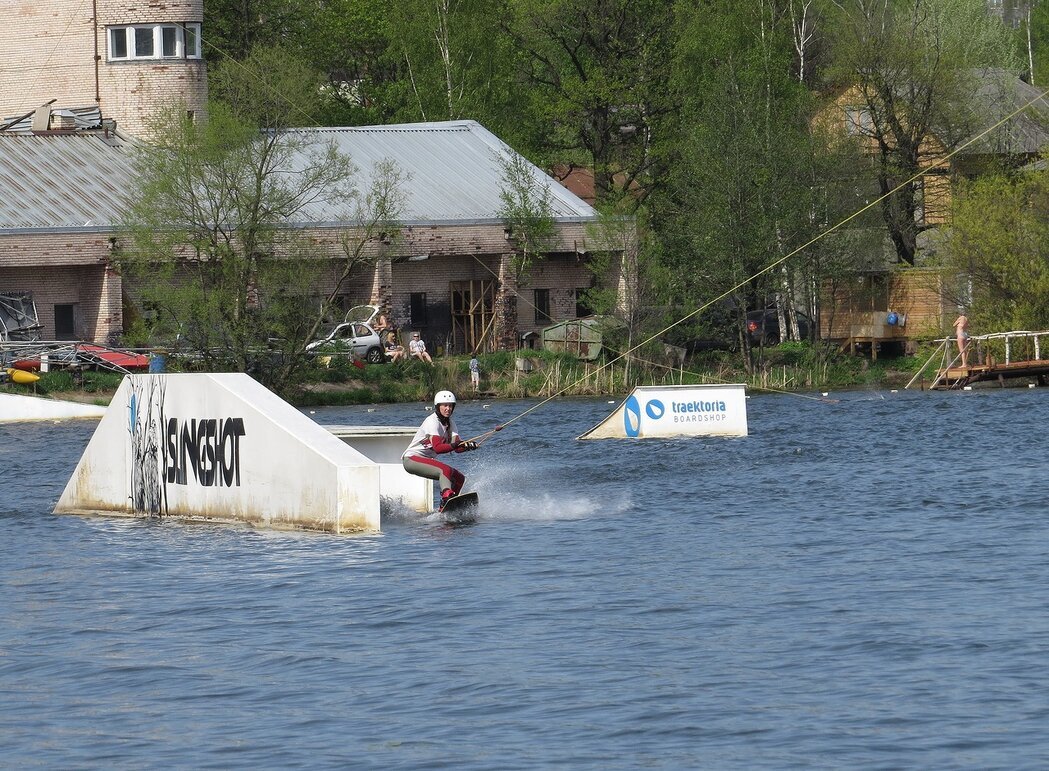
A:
(1000, 244)
(60, 381)
(270, 89)
(596, 72)
(1039, 34)
(743, 193)
(98, 381)
(222, 274)
(914, 65)
(526, 209)
(694, 116)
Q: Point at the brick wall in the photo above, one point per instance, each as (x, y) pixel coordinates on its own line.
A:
(464, 253)
(62, 269)
(66, 268)
(49, 53)
(561, 276)
(93, 290)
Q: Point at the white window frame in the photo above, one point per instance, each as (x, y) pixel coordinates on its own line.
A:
(858, 122)
(182, 33)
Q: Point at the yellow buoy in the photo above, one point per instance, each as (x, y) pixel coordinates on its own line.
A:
(21, 376)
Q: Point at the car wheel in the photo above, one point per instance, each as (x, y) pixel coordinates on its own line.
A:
(375, 356)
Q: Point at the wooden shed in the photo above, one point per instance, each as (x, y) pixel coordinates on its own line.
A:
(870, 309)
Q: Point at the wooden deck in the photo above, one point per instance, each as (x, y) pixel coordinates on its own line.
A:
(1000, 356)
(954, 378)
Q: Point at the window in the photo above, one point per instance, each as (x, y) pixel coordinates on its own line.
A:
(191, 35)
(118, 43)
(154, 41)
(542, 306)
(65, 322)
(143, 42)
(417, 309)
(858, 122)
(169, 42)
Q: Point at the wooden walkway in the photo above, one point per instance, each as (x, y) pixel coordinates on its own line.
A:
(987, 350)
(954, 378)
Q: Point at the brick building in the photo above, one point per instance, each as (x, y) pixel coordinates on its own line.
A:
(123, 59)
(448, 271)
(79, 81)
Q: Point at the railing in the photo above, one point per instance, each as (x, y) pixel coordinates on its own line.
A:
(985, 345)
(1004, 341)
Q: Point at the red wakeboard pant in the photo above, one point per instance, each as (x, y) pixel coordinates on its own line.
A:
(448, 477)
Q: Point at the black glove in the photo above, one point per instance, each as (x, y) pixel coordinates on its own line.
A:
(467, 446)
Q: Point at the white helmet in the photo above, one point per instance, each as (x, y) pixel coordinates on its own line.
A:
(443, 397)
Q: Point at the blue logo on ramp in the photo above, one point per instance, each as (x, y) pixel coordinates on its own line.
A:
(655, 409)
(631, 416)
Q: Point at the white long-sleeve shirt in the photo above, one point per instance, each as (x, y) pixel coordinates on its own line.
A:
(432, 426)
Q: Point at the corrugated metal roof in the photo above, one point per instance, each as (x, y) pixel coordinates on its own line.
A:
(456, 169)
(79, 181)
(63, 181)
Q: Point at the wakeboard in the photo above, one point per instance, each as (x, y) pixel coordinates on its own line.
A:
(460, 507)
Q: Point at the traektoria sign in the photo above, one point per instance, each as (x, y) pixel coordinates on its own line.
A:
(668, 411)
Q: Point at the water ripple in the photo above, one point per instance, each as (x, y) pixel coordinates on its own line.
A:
(856, 584)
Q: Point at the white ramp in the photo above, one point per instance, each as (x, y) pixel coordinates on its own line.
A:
(220, 447)
(385, 445)
(15, 408)
(686, 410)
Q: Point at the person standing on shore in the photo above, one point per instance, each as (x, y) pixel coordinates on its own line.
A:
(475, 373)
(961, 333)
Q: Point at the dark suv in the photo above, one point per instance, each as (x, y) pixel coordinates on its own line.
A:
(763, 327)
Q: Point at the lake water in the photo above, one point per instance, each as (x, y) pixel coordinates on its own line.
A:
(862, 583)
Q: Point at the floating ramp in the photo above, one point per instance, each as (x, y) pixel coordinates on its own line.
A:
(16, 408)
(221, 447)
(668, 411)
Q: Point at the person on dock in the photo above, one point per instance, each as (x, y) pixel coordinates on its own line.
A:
(437, 435)
(961, 332)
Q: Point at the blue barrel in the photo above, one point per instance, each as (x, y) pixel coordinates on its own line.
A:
(157, 361)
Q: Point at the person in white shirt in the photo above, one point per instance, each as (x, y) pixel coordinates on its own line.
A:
(435, 436)
(417, 349)
(475, 373)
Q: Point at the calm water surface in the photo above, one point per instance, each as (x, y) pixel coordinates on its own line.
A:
(856, 584)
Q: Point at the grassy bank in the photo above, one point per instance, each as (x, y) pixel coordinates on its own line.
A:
(787, 367)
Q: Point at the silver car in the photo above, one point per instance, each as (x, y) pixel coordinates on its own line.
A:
(351, 336)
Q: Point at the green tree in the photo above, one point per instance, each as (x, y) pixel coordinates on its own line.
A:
(525, 207)
(1036, 42)
(742, 193)
(597, 70)
(630, 287)
(914, 63)
(999, 247)
(216, 245)
(234, 28)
